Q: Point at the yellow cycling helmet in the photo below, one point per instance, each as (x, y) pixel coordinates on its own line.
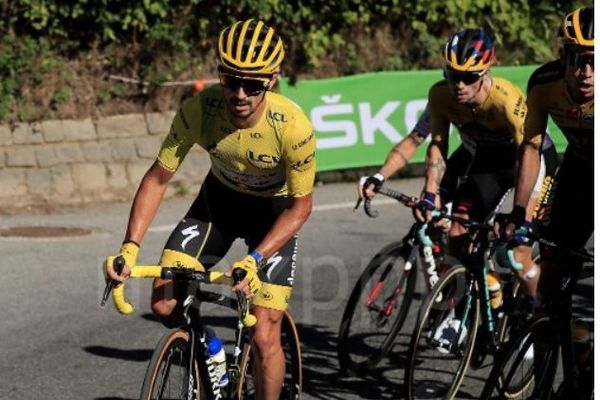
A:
(577, 28)
(250, 47)
(469, 50)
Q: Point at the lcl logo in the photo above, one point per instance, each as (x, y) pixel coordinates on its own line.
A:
(277, 116)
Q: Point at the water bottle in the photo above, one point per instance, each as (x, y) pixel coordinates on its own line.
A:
(495, 287)
(216, 353)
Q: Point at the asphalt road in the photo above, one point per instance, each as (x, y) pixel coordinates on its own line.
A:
(57, 343)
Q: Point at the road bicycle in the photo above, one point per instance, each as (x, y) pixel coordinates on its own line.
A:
(548, 334)
(382, 296)
(457, 326)
(180, 367)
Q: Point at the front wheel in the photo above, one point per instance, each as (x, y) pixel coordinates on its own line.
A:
(169, 375)
(525, 366)
(376, 309)
(444, 336)
(292, 382)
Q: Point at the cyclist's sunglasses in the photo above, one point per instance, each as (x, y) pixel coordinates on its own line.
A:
(580, 60)
(468, 78)
(252, 86)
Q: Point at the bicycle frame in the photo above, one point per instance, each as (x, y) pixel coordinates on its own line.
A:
(198, 342)
(478, 263)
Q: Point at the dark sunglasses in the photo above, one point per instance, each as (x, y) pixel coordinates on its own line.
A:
(251, 86)
(468, 78)
(580, 60)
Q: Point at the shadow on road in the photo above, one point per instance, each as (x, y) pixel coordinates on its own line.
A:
(322, 376)
(111, 352)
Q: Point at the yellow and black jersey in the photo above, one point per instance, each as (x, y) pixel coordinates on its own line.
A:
(546, 73)
(276, 157)
(495, 125)
(550, 97)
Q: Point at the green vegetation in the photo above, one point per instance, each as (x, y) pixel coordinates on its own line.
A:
(56, 55)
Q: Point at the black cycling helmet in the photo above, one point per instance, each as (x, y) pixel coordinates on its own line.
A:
(577, 28)
(469, 50)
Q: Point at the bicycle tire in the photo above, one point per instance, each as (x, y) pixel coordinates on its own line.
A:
(292, 384)
(453, 286)
(171, 357)
(376, 294)
(513, 356)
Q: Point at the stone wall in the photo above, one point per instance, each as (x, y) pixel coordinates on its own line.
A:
(74, 162)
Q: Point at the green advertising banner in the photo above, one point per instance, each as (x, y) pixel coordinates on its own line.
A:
(359, 118)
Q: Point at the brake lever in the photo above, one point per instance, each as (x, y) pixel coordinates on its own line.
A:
(370, 212)
(118, 265)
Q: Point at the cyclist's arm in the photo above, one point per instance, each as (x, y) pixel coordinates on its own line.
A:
(530, 153)
(146, 201)
(529, 166)
(400, 154)
(437, 152)
(404, 150)
(435, 165)
(154, 183)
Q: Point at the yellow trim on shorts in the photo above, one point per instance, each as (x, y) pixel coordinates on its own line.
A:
(275, 297)
(173, 258)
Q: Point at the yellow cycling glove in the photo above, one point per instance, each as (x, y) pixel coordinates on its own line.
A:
(129, 251)
(250, 265)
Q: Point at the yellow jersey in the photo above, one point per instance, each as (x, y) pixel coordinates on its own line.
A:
(496, 124)
(548, 96)
(276, 157)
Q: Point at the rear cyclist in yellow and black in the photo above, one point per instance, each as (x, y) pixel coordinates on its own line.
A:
(259, 188)
(563, 92)
(489, 114)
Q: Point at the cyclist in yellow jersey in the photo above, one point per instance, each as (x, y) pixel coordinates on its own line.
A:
(568, 98)
(259, 188)
(489, 115)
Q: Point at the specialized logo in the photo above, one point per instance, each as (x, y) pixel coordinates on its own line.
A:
(191, 232)
(272, 262)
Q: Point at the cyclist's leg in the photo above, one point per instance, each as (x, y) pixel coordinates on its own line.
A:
(475, 199)
(530, 273)
(199, 240)
(269, 361)
(456, 168)
(570, 223)
(268, 305)
(568, 220)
